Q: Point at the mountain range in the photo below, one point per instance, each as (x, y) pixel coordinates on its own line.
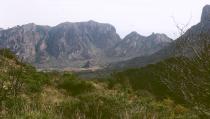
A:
(73, 45)
(97, 45)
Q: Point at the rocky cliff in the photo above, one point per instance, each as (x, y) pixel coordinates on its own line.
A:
(134, 45)
(74, 44)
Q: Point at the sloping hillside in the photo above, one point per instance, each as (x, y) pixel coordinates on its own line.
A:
(26, 93)
(185, 80)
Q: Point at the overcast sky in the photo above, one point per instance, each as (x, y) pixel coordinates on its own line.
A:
(143, 16)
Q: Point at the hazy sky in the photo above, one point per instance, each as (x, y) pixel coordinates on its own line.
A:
(143, 16)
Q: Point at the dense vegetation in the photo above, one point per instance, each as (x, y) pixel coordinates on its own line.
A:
(185, 80)
(133, 94)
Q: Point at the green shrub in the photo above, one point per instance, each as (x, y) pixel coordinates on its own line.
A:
(35, 81)
(74, 86)
(7, 54)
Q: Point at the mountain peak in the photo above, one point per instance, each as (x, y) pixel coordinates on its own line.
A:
(134, 35)
(133, 32)
(29, 24)
(205, 14)
(158, 37)
(92, 21)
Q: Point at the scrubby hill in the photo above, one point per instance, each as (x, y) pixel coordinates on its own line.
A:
(185, 80)
(26, 93)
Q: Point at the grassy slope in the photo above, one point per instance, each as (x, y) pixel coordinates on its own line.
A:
(26, 93)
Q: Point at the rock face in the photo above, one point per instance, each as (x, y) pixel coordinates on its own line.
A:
(24, 40)
(74, 44)
(67, 44)
(134, 45)
(206, 14)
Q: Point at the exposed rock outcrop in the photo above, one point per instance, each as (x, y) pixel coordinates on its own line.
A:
(74, 44)
(206, 14)
(134, 45)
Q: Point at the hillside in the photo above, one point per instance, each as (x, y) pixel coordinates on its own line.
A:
(26, 93)
(183, 79)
